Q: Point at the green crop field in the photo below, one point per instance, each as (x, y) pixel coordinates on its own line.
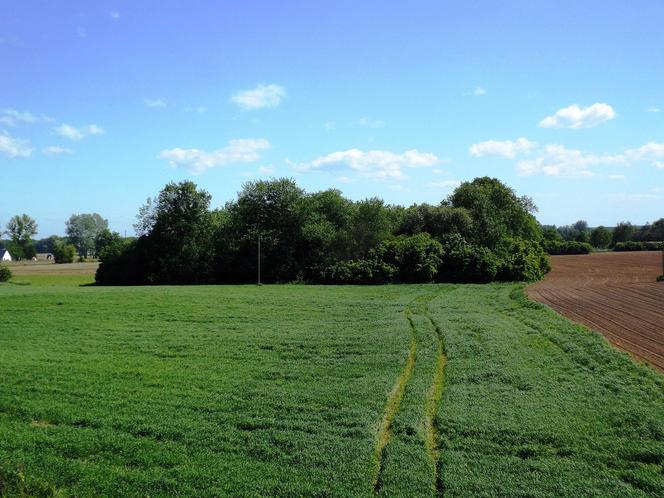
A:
(398, 390)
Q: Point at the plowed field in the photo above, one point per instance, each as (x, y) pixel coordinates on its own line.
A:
(614, 293)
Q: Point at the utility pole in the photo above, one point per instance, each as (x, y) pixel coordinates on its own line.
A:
(259, 258)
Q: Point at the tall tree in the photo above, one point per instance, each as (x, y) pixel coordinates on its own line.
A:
(83, 229)
(21, 229)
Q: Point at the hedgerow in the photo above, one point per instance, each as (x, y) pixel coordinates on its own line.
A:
(555, 247)
(638, 246)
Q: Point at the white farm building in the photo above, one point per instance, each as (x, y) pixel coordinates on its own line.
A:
(5, 256)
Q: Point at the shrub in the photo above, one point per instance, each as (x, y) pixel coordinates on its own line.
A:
(466, 262)
(555, 247)
(5, 273)
(64, 253)
(416, 257)
(360, 271)
(660, 278)
(522, 260)
(638, 246)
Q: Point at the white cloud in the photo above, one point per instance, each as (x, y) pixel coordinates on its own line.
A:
(617, 177)
(54, 150)
(196, 109)
(114, 14)
(653, 109)
(445, 184)
(557, 160)
(263, 96)
(159, 103)
(76, 134)
(14, 147)
(658, 164)
(11, 117)
(198, 161)
(479, 91)
(266, 170)
(371, 123)
(378, 164)
(396, 188)
(576, 117)
(506, 148)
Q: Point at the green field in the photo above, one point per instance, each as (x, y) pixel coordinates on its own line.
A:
(316, 391)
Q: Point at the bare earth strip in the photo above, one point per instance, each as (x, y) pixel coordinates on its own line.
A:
(614, 293)
(41, 268)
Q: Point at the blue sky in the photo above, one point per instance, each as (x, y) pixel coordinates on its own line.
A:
(102, 103)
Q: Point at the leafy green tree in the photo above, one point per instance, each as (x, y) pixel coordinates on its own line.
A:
(21, 229)
(496, 211)
(623, 232)
(106, 239)
(82, 230)
(551, 233)
(600, 237)
(64, 252)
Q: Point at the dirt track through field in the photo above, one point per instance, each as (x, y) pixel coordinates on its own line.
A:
(614, 293)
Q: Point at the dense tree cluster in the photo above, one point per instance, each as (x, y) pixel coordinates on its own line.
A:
(482, 232)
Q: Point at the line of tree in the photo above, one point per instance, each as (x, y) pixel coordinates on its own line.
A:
(578, 238)
(85, 233)
(482, 232)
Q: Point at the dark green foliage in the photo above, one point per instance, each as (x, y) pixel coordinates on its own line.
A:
(600, 237)
(5, 273)
(638, 246)
(319, 237)
(64, 252)
(416, 257)
(522, 260)
(359, 271)
(567, 247)
(465, 262)
(622, 232)
(496, 211)
(660, 278)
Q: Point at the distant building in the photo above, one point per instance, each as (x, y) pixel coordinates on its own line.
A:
(6, 256)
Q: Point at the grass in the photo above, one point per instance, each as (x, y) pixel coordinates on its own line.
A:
(316, 391)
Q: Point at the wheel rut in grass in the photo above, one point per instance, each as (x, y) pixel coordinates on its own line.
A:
(416, 312)
(432, 430)
(392, 407)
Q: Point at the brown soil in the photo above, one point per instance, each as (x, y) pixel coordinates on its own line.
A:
(43, 268)
(614, 293)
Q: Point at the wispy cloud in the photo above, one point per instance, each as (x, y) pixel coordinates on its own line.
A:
(263, 96)
(479, 91)
(558, 160)
(653, 109)
(81, 32)
(377, 164)
(73, 133)
(198, 161)
(576, 117)
(157, 103)
(330, 125)
(12, 117)
(617, 177)
(114, 14)
(55, 150)
(445, 184)
(14, 147)
(196, 109)
(371, 123)
(504, 148)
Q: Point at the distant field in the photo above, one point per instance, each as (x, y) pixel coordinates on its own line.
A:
(615, 293)
(20, 268)
(317, 391)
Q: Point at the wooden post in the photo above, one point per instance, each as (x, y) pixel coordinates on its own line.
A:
(259, 258)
